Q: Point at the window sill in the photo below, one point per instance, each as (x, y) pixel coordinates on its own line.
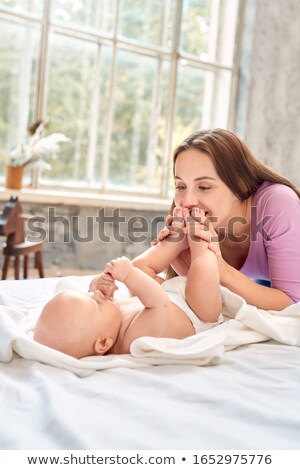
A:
(75, 198)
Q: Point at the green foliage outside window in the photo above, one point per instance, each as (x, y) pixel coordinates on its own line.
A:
(108, 87)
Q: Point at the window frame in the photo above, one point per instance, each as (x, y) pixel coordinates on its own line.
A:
(175, 55)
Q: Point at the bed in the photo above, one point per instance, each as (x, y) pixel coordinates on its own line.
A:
(247, 399)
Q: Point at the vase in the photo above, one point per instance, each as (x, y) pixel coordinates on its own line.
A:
(14, 177)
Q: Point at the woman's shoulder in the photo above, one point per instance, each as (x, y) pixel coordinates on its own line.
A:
(275, 195)
(278, 206)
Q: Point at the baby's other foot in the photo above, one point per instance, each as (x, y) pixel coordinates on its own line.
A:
(198, 234)
(178, 217)
(177, 227)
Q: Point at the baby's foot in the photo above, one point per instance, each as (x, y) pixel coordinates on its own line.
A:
(178, 217)
(198, 232)
(177, 226)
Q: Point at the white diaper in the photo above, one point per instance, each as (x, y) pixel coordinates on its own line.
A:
(175, 289)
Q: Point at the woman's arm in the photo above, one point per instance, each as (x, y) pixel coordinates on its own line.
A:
(277, 211)
(263, 297)
(254, 294)
(266, 298)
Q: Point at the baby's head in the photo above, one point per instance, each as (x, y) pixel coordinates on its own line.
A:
(79, 324)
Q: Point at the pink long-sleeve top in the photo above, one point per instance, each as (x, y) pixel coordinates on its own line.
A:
(274, 252)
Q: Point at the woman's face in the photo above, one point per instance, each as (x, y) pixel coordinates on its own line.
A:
(197, 184)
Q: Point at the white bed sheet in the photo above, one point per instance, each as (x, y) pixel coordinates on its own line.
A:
(250, 400)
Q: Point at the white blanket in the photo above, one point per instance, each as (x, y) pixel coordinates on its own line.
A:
(244, 324)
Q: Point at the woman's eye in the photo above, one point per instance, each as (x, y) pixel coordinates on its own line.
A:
(179, 188)
(203, 188)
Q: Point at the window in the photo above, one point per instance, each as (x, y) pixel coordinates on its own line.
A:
(126, 80)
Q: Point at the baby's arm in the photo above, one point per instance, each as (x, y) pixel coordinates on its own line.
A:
(150, 293)
(151, 262)
(157, 258)
(154, 260)
(151, 320)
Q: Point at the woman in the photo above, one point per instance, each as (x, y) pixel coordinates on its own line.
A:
(252, 217)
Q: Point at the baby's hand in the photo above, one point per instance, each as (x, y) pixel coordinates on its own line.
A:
(119, 268)
(105, 284)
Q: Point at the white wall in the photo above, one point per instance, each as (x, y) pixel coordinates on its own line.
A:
(268, 111)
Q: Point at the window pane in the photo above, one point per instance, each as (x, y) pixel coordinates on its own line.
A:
(217, 99)
(149, 22)
(32, 7)
(18, 83)
(71, 98)
(95, 157)
(79, 83)
(97, 14)
(208, 29)
(139, 121)
(202, 102)
(189, 101)
(195, 27)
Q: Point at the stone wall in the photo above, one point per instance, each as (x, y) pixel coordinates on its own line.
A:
(86, 238)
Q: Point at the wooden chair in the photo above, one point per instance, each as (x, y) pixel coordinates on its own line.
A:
(12, 226)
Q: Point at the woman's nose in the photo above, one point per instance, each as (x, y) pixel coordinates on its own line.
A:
(189, 200)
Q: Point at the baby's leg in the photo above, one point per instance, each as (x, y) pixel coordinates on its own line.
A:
(203, 281)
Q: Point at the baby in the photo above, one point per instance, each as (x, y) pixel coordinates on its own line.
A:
(87, 324)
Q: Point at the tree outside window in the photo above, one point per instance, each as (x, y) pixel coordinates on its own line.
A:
(126, 80)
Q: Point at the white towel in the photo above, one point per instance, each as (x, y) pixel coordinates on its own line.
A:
(244, 324)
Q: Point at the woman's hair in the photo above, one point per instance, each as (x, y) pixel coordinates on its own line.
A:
(234, 163)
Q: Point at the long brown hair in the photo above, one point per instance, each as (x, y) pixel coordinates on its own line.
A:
(234, 162)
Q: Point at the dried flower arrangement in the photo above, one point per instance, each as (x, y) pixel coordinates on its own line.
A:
(34, 150)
